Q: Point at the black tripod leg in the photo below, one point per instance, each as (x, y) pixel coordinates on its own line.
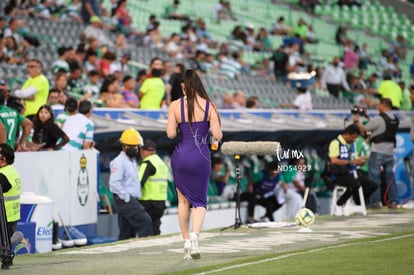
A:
(5, 253)
(237, 222)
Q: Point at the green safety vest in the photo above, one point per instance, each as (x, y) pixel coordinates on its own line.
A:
(12, 197)
(155, 188)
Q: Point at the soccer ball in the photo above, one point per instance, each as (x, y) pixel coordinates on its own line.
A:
(304, 217)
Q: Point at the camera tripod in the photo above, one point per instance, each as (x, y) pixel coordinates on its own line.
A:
(237, 221)
(6, 254)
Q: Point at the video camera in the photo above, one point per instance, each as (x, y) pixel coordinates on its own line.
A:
(358, 110)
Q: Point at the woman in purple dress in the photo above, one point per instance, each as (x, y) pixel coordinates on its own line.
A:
(196, 116)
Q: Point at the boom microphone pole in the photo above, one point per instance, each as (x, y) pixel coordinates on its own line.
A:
(5, 253)
(237, 220)
(238, 148)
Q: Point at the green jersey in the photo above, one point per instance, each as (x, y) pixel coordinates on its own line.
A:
(11, 120)
(362, 149)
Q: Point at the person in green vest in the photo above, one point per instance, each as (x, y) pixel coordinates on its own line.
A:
(153, 175)
(10, 186)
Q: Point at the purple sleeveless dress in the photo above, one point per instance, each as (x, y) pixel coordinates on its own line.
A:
(190, 161)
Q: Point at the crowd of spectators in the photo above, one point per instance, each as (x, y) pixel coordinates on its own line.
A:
(92, 69)
(92, 74)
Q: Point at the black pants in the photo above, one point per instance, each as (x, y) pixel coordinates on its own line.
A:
(368, 186)
(270, 203)
(155, 209)
(351, 184)
(334, 89)
(132, 219)
(11, 227)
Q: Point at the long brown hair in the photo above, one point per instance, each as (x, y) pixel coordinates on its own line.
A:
(194, 87)
(37, 123)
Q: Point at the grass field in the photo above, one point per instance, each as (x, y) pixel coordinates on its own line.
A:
(383, 255)
(380, 243)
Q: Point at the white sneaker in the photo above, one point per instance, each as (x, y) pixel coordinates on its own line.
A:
(78, 237)
(66, 242)
(264, 219)
(57, 245)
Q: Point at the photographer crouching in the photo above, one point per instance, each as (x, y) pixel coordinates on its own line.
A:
(383, 128)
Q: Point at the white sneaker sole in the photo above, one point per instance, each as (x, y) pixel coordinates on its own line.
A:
(57, 246)
(80, 242)
(67, 243)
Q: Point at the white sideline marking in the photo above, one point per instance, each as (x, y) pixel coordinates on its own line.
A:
(300, 253)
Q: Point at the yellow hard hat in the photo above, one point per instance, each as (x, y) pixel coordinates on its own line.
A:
(131, 137)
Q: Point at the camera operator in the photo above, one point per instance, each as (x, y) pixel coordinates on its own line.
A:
(383, 128)
(363, 149)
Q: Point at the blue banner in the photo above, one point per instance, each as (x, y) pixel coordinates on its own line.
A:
(402, 155)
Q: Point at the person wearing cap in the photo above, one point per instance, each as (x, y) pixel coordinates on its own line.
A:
(80, 128)
(35, 90)
(153, 175)
(261, 189)
(343, 161)
(251, 37)
(96, 29)
(125, 186)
